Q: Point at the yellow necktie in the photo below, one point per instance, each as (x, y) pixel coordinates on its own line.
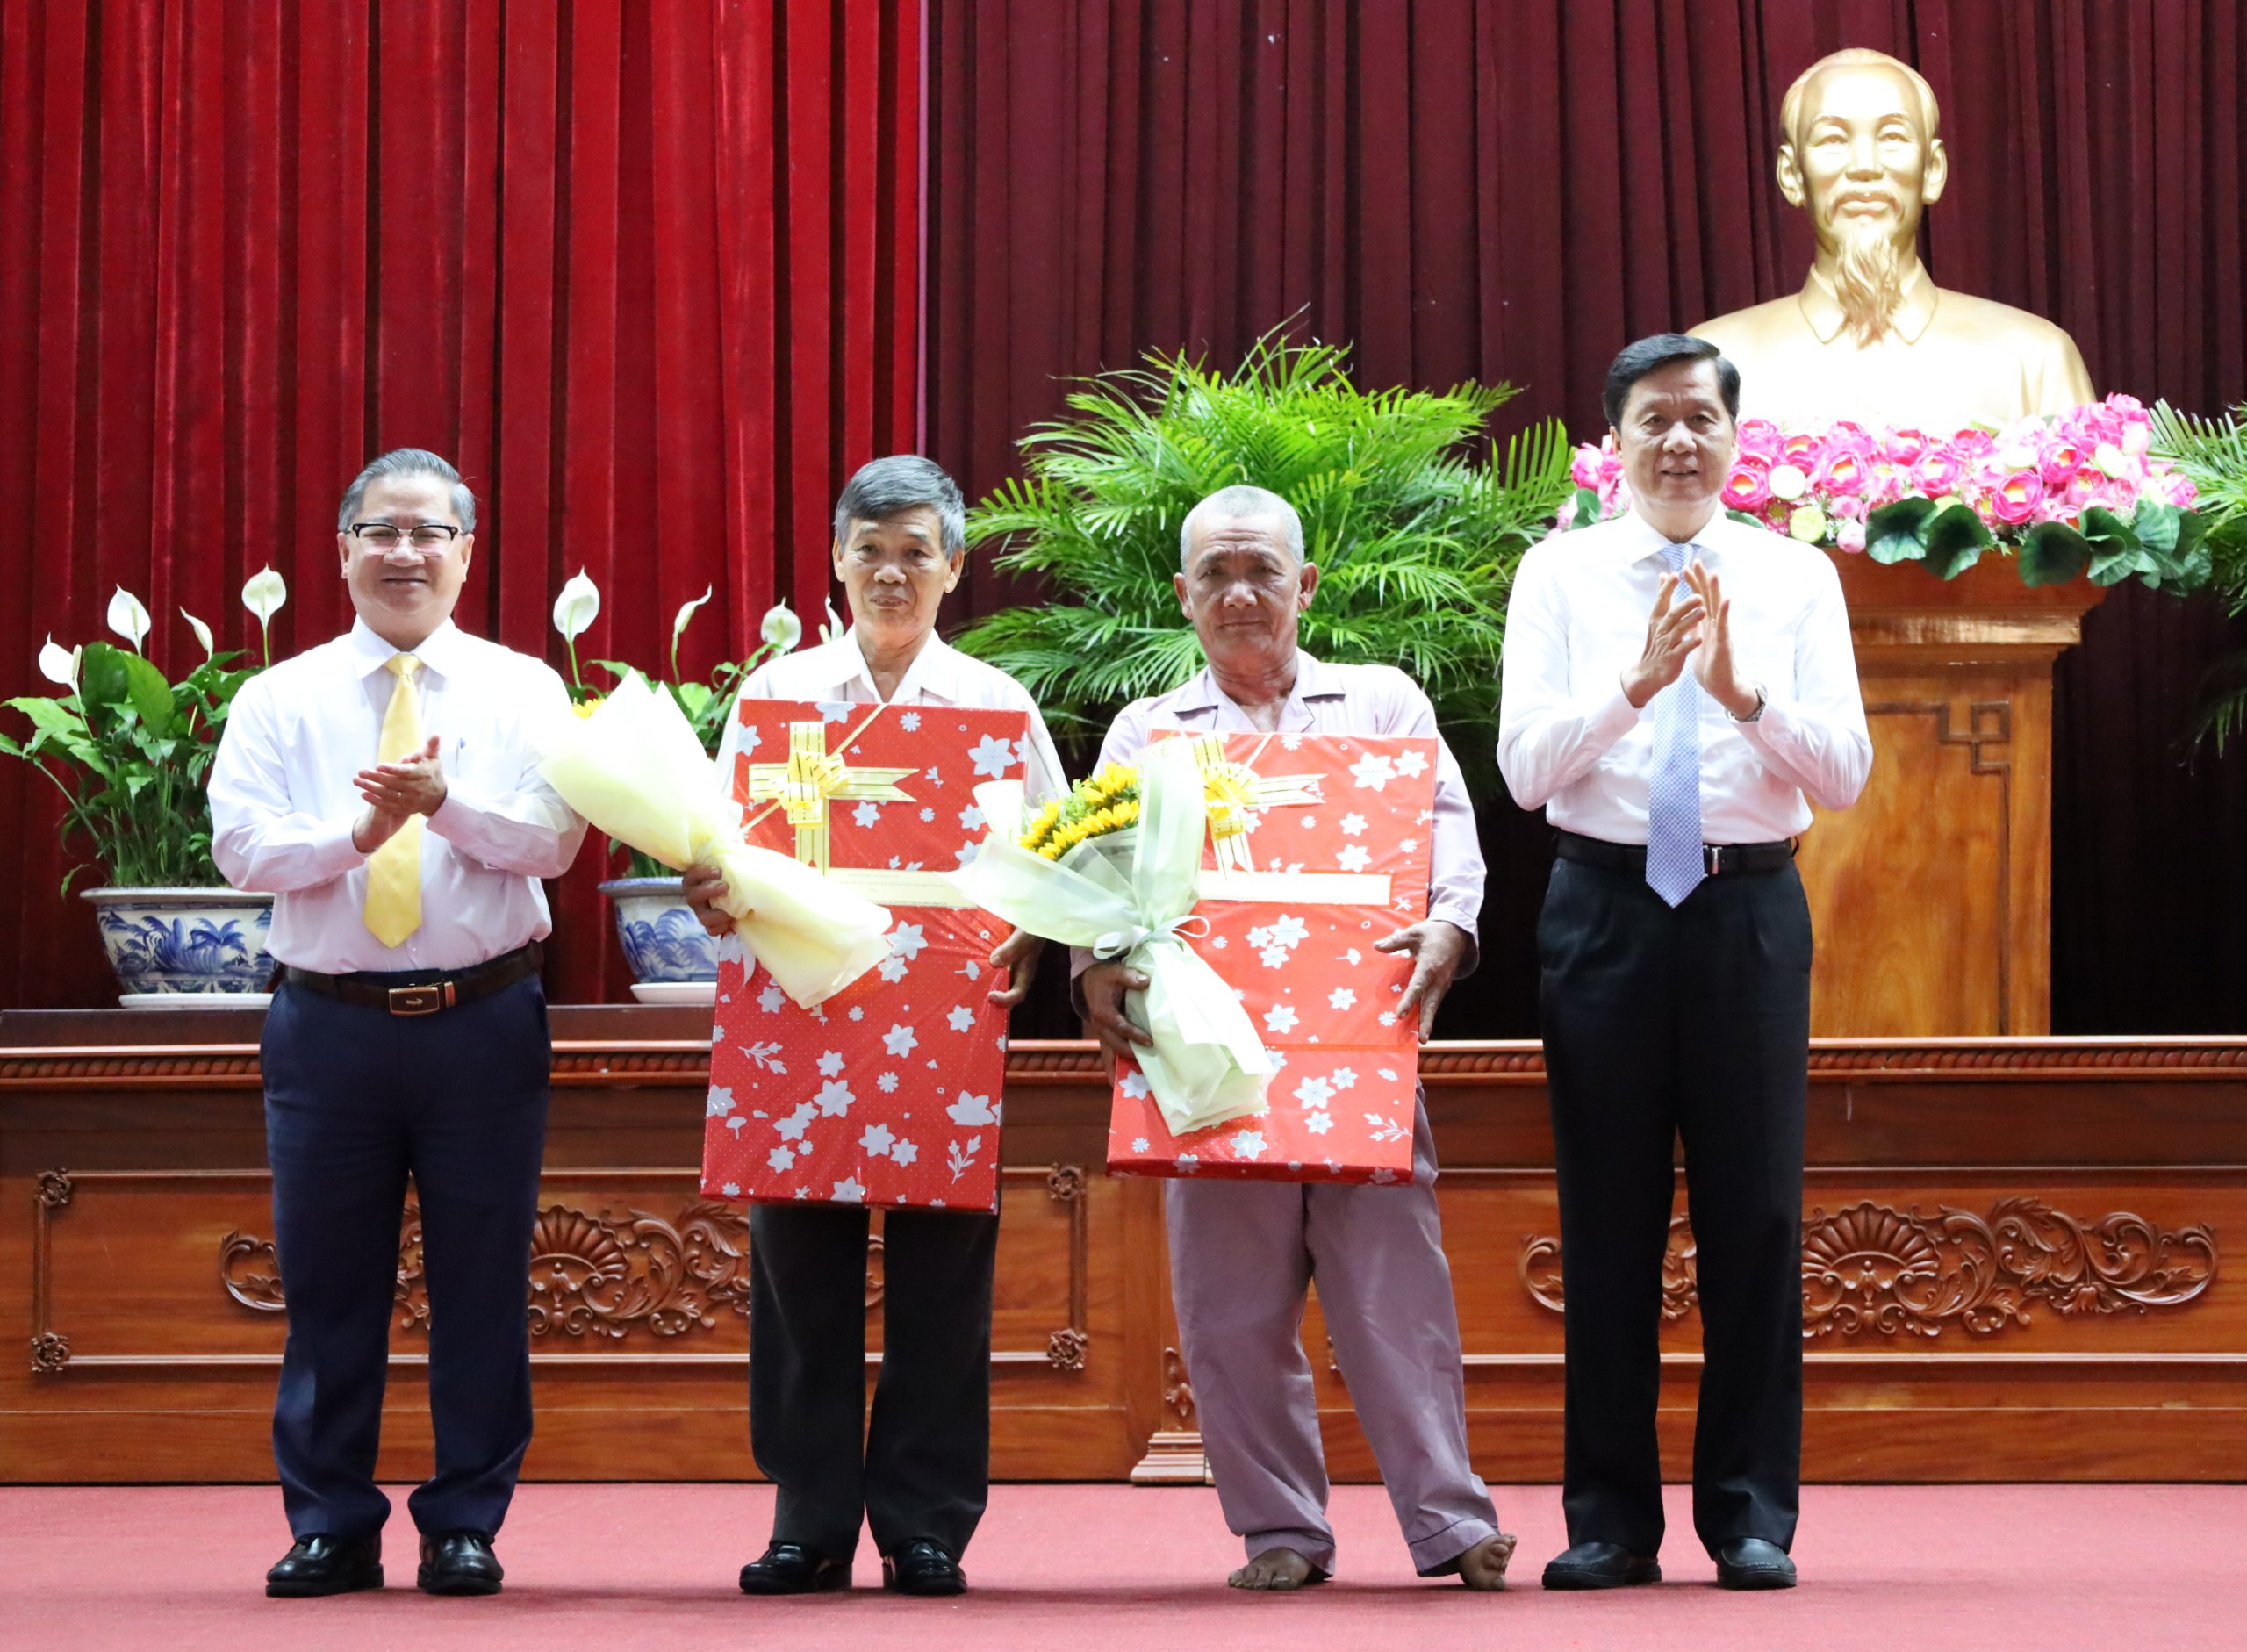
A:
(393, 909)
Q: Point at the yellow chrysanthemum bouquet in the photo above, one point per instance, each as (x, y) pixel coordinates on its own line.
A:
(1115, 867)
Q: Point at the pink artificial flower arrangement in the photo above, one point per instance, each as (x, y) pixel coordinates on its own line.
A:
(1820, 484)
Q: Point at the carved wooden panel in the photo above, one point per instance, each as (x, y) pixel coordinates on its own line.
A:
(1872, 1270)
(597, 1274)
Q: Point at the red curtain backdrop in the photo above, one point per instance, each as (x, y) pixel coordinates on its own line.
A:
(1511, 188)
(648, 274)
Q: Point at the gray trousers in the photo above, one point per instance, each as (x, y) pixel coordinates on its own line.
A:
(1241, 1255)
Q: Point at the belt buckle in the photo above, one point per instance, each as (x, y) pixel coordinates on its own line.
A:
(421, 1001)
(1712, 859)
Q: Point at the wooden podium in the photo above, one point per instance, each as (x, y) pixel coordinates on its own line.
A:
(1931, 900)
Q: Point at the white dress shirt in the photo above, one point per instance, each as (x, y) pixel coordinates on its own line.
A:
(282, 805)
(1570, 742)
(940, 675)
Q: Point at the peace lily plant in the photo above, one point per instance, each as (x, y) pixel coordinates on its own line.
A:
(130, 751)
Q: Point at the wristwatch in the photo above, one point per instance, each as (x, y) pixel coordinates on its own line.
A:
(1758, 712)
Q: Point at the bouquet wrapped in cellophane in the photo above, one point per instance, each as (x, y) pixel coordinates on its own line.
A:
(634, 769)
(1115, 867)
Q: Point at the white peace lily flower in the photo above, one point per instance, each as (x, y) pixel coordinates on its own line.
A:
(127, 618)
(202, 633)
(834, 627)
(59, 665)
(577, 606)
(780, 629)
(265, 594)
(687, 612)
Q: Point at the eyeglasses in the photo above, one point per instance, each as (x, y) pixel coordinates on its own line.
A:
(383, 535)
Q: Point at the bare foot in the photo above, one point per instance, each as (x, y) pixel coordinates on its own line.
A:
(1277, 1569)
(1484, 1565)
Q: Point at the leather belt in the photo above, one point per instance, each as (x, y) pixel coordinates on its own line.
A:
(1715, 858)
(420, 992)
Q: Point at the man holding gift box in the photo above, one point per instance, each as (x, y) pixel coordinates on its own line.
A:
(918, 1476)
(1679, 688)
(1243, 1253)
(383, 787)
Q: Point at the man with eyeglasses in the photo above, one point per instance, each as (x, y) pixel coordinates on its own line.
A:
(382, 787)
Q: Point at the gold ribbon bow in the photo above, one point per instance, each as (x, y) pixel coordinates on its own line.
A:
(1233, 789)
(810, 776)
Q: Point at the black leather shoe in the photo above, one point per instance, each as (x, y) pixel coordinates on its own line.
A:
(1599, 1566)
(922, 1568)
(458, 1563)
(790, 1569)
(323, 1565)
(1754, 1562)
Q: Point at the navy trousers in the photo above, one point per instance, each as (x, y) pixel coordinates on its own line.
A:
(1658, 1026)
(921, 1469)
(356, 1100)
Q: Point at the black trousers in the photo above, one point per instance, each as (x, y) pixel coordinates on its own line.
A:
(357, 1100)
(922, 1467)
(1658, 1024)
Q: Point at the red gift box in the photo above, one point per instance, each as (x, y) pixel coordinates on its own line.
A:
(888, 1093)
(1335, 856)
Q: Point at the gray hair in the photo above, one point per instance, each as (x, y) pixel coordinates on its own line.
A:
(407, 461)
(1230, 505)
(884, 489)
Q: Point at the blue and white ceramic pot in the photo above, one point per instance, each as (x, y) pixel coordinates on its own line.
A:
(664, 942)
(177, 948)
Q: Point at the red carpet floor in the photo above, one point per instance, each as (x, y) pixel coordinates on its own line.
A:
(1070, 1569)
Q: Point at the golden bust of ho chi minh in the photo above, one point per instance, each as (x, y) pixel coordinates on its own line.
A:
(1870, 337)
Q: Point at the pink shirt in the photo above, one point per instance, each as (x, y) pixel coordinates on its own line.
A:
(1362, 700)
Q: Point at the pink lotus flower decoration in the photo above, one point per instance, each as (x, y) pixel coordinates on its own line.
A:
(1827, 480)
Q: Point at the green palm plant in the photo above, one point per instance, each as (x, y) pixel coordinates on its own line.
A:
(2213, 453)
(1415, 539)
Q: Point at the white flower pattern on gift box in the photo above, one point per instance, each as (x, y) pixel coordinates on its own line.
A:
(1139, 1144)
(793, 1127)
(960, 1017)
(1134, 1085)
(1373, 770)
(898, 1040)
(891, 968)
(887, 1083)
(1314, 1091)
(1343, 1078)
(903, 1155)
(771, 998)
(993, 757)
(972, 1110)
(1249, 1143)
(848, 1191)
(927, 814)
(1280, 1018)
(1388, 1017)
(831, 1064)
(1342, 998)
(833, 710)
(1412, 764)
(971, 819)
(721, 1102)
(876, 1139)
(1353, 825)
(911, 722)
(1408, 846)
(906, 940)
(1318, 1124)
(781, 1158)
(833, 1098)
(766, 1056)
(961, 1155)
(1354, 858)
(866, 814)
(1386, 1129)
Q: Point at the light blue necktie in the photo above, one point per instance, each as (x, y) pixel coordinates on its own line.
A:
(1674, 866)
